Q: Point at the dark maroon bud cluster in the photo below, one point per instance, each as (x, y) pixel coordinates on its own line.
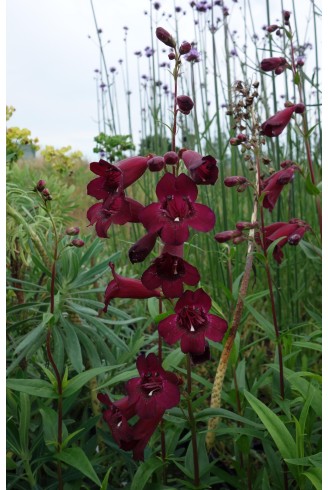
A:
(226, 236)
(46, 194)
(156, 164)
(185, 48)
(234, 142)
(72, 231)
(185, 104)
(165, 37)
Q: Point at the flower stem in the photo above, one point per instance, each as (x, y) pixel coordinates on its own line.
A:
(192, 425)
(223, 364)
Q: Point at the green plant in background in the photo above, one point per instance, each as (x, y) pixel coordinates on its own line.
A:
(60, 158)
(17, 139)
(113, 147)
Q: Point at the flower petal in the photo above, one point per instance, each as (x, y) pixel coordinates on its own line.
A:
(165, 186)
(191, 276)
(169, 330)
(216, 328)
(172, 288)
(193, 343)
(204, 218)
(174, 233)
(185, 186)
(151, 217)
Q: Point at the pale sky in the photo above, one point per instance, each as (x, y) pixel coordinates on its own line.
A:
(51, 60)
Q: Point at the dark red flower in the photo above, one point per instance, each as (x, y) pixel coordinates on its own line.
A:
(275, 125)
(273, 185)
(225, 236)
(235, 180)
(170, 272)
(291, 232)
(125, 287)
(270, 64)
(176, 211)
(155, 390)
(203, 170)
(192, 323)
(114, 178)
(116, 209)
(128, 437)
(142, 248)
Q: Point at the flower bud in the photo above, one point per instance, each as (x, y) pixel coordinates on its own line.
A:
(225, 236)
(286, 16)
(234, 141)
(72, 230)
(185, 48)
(300, 60)
(156, 164)
(279, 70)
(299, 108)
(294, 239)
(246, 225)
(242, 137)
(46, 192)
(238, 240)
(77, 242)
(272, 28)
(142, 248)
(165, 37)
(171, 55)
(40, 185)
(287, 163)
(185, 104)
(171, 158)
(234, 180)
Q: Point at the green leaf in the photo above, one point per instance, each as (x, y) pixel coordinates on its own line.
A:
(34, 334)
(314, 460)
(263, 323)
(76, 457)
(222, 413)
(72, 345)
(50, 428)
(144, 472)
(310, 187)
(276, 428)
(297, 78)
(36, 387)
(315, 477)
(311, 251)
(81, 379)
(104, 483)
(24, 420)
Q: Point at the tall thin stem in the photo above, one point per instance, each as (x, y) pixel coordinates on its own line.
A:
(192, 425)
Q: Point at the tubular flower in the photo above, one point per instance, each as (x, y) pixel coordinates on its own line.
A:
(114, 178)
(125, 287)
(192, 323)
(142, 248)
(291, 232)
(176, 211)
(203, 170)
(273, 185)
(155, 390)
(128, 437)
(170, 272)
(275, 125)
(276, 64)
(117, 209)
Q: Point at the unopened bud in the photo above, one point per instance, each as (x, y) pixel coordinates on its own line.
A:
(40, 185)
(294, 239)
(286, 15)
(287, 163)
(171, 158)
(185, 48)
(299, 108)
(246, 225)
(266, 160)
(77, 242)
(165, 37)
(171, 55)
(238, 240)
(72, 230)
(234, 141)
(234, 180)
(46, 192)
(185, 104)
(272, 28)
(225, 236)
(156, 164)
(242, 137)
(279, 70)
